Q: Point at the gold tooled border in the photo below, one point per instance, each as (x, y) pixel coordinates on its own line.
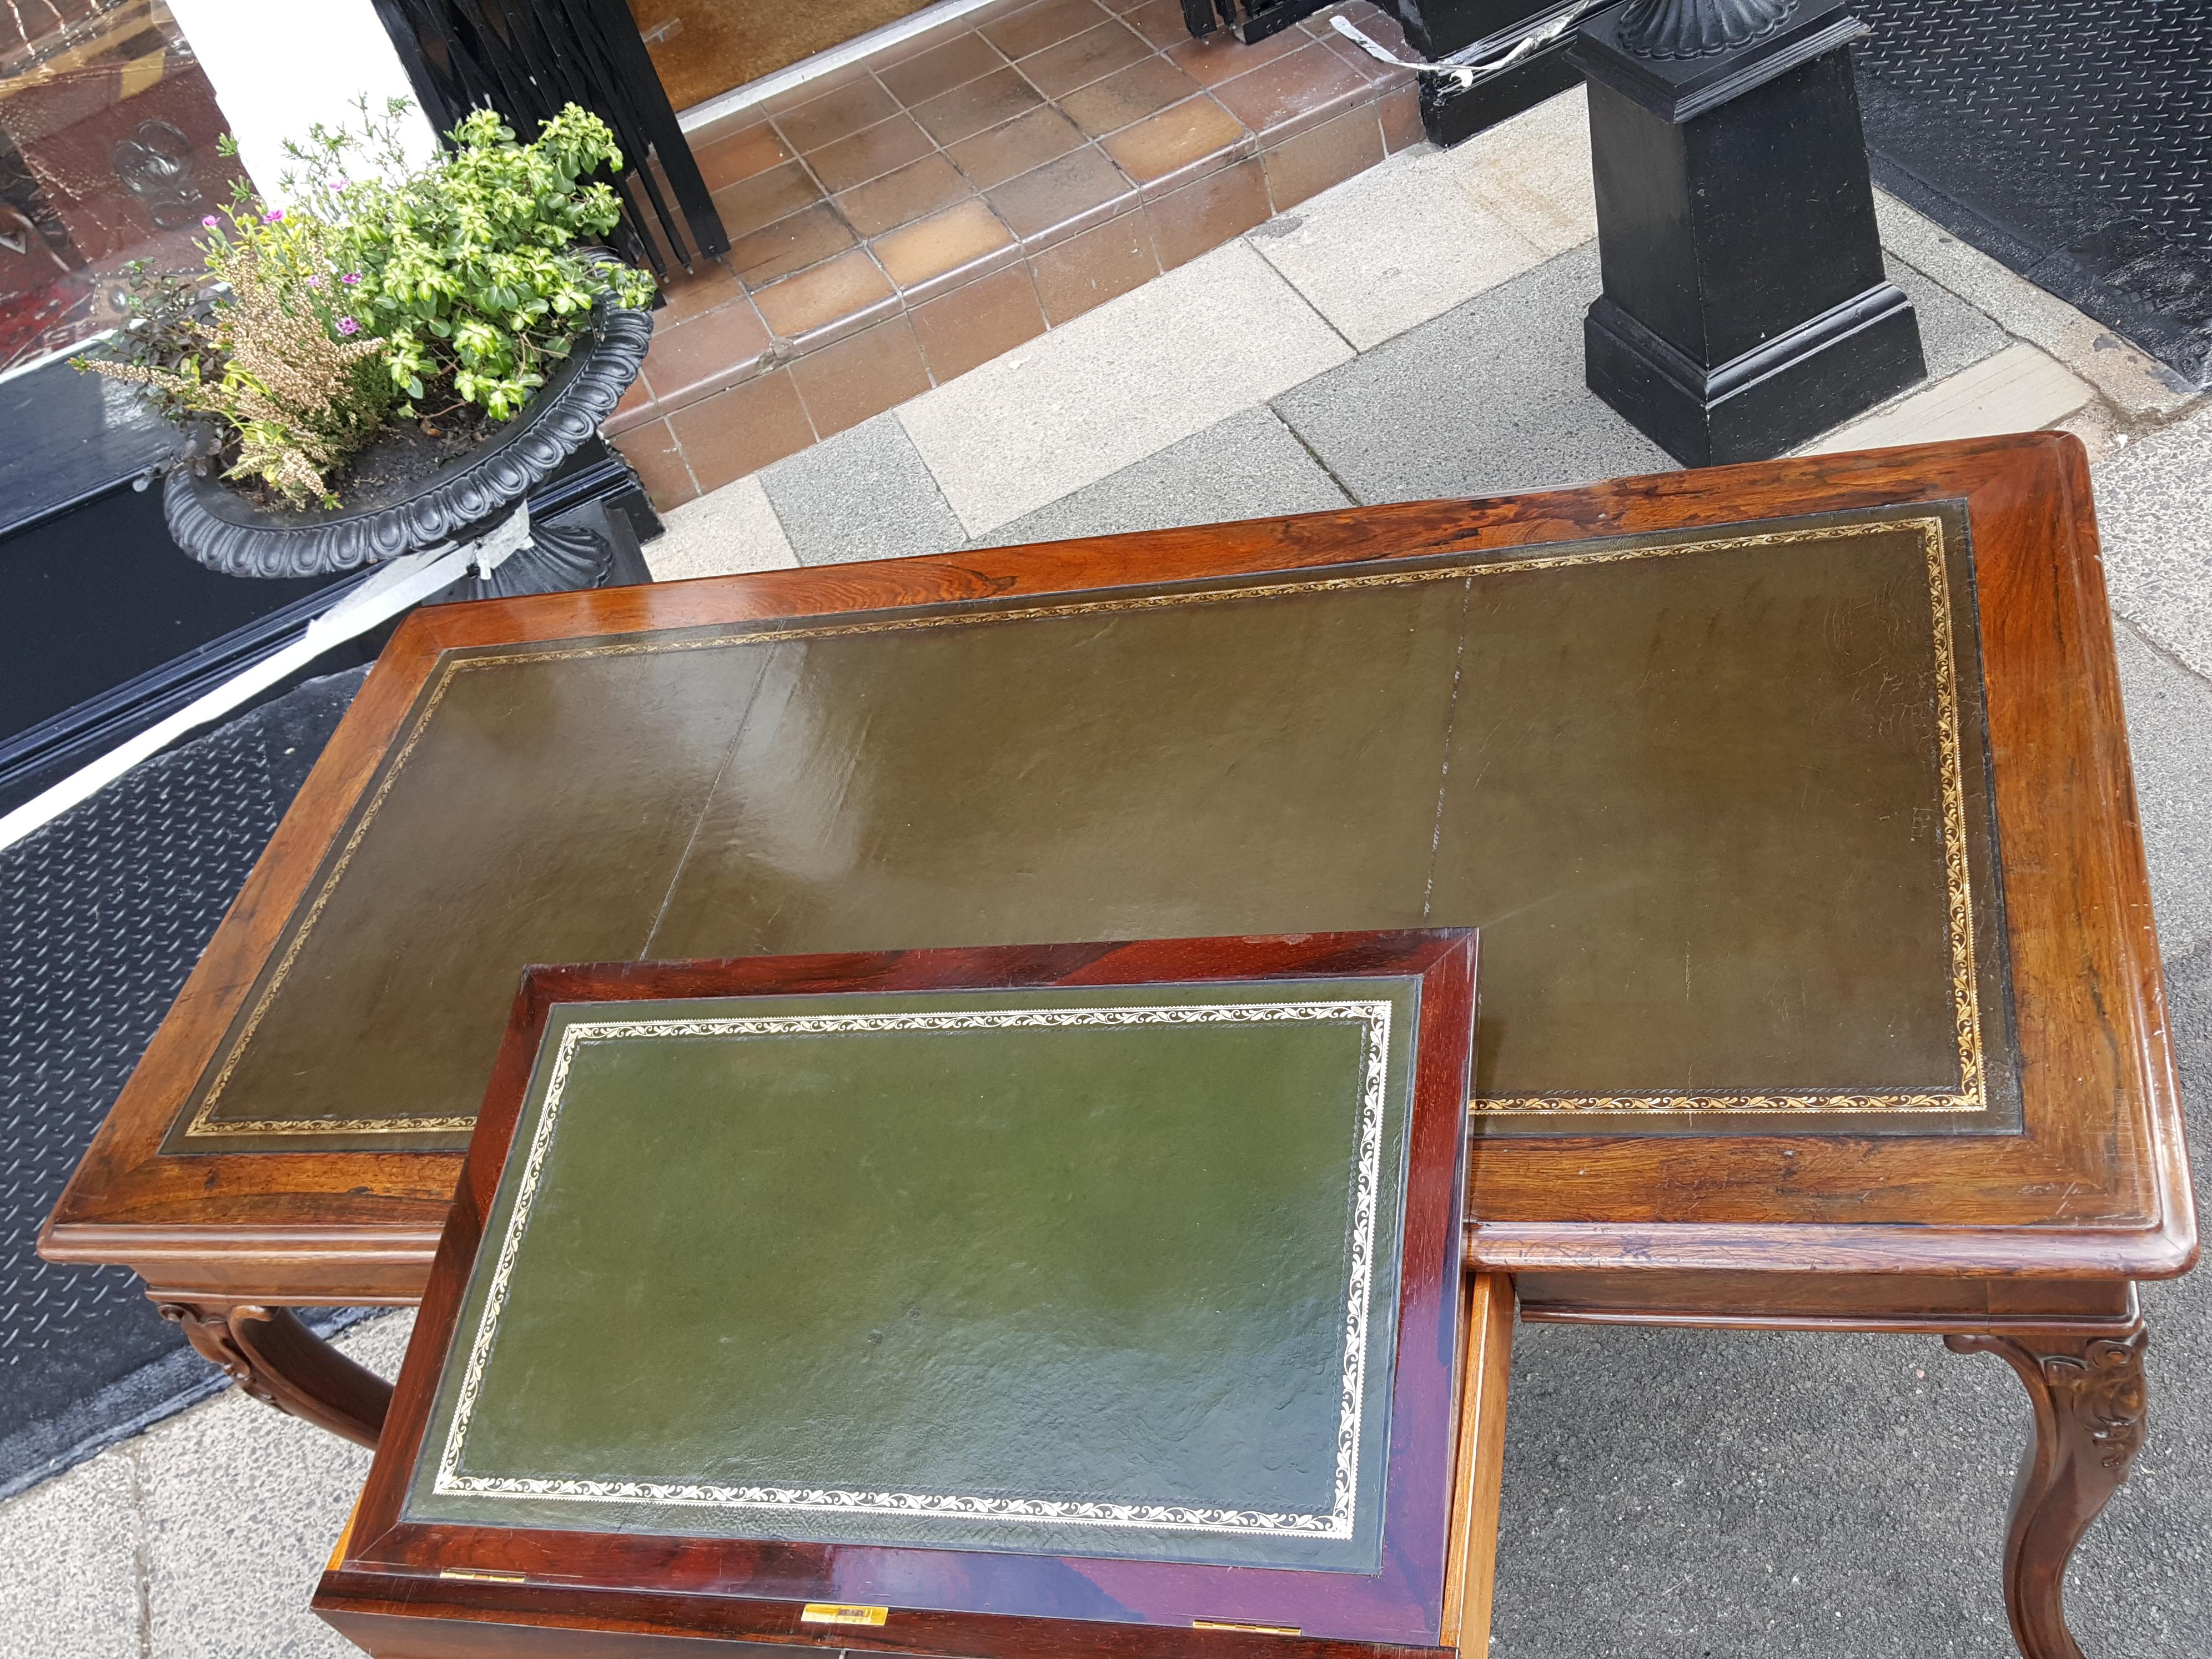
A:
(1969, 1095)
(1372, 1017)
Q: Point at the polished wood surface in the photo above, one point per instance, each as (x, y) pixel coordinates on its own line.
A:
(2034, 1237)
(976, 1604)
(2091, 1407)
(2095, 1187)
(280, 1362)
(1478, 1461)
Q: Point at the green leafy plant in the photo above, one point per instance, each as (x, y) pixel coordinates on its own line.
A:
(169, 325)
(268, 346)
(457, 282)
(475, 269)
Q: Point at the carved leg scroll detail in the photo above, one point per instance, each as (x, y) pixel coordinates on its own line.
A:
(2090, 1407)
(280, 1362)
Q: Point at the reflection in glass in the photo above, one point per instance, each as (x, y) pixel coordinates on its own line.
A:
(107, 153)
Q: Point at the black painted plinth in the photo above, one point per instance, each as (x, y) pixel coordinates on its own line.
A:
(1746, 306)
(1449, 115)
(1465, 31)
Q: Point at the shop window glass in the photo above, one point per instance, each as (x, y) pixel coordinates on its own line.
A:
(107, 153)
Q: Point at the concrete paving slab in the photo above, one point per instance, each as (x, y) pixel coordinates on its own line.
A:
(2155, 519)
(1220, 334)
(722, 533)
(380, 1343)
(1953, 334)
(2170, 736)
(1534, 171)
(2138, 384)
(69, 1564)
(864, 494)
(1694, 1494)
(242, 1505)
(1486, 399)
(2021, 389)
(1249, 466)
(1394, 248)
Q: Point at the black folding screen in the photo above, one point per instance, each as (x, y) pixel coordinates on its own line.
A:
(525, 59)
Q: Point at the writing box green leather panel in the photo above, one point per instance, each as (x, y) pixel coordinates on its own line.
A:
(1107, 1272)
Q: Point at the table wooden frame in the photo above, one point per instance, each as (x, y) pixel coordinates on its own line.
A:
(753, 1589)
(2028, 1246)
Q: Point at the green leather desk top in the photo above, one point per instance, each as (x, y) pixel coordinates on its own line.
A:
(1101, 1272)
(1718, 801)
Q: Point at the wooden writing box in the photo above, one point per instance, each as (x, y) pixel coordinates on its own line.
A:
(1083, 1299)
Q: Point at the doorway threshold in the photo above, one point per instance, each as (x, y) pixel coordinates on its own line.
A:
(940, 202)
(737, 99)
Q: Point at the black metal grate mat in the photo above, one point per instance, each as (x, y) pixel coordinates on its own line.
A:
(2071, 139)
(102, 915)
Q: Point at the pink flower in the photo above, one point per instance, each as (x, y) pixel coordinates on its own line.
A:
(340, 183)
(350, 278)
(314, 282)
(272, 215)
(209, 221)
(347, 325)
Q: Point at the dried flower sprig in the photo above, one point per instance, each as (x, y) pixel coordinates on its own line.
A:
(301, 399)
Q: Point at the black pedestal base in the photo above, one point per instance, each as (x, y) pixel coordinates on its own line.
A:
(1793, 387)
(1747, 307)
(590, 545)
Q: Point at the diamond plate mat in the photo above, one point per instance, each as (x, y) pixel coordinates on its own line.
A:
(102, 915)
(2071, 139)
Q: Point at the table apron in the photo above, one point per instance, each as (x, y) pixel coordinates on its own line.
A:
(1863, 1302)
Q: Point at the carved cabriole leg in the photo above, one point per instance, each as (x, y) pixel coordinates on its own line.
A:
(2089, 1400)
(280, 1362)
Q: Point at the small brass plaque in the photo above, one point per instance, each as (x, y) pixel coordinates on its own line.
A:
(834, 1613)
(485, 1577)
(1257, 1629)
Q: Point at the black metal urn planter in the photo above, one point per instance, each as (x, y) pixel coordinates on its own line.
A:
(226, 530)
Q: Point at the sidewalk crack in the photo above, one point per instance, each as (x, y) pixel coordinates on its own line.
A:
(1315, 455)
(141, 1552)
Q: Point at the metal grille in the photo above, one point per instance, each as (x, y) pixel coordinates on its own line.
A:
(102, 915)
(2070, 138)
(2116, 95)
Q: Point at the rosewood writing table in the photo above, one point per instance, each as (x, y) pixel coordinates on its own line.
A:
(1792, 801)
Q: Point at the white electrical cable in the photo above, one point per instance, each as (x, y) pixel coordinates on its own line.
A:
(392, 589)
(1481, 69)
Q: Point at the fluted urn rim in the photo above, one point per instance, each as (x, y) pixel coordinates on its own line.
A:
(1698, 28)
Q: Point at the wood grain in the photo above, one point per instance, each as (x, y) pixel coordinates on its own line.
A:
(1478, 1462)
(396, 1578)
(2095, 1188)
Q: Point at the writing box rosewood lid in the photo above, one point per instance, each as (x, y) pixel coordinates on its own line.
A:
(1087, 1298)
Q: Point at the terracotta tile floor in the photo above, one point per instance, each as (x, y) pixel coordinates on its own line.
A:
(898, 222)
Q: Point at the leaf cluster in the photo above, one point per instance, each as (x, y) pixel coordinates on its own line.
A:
(167, 328)
(263, 350)
(475, 269)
